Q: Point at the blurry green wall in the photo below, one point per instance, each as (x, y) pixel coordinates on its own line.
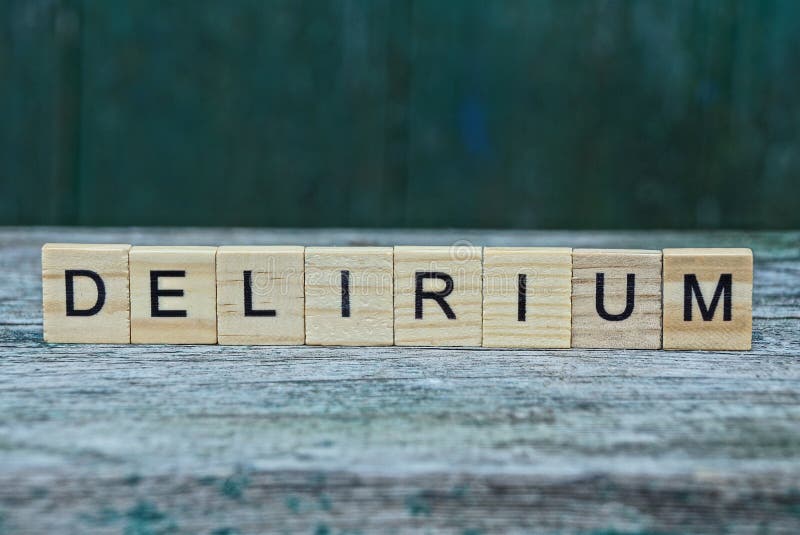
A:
(466, 113)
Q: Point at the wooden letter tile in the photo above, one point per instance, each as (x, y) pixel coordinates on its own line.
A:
(349, 296)
(260, 295)
(527, 297)
(437, 300)
(708, 298)
(616, 299)
(173, 295)
(85, 293)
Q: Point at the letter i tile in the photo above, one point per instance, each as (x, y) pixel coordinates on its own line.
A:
(349, 294)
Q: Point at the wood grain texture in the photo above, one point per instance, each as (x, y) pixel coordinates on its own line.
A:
(226, 439)
(708, 266)
(434, 327)
(641, 329)
(369, 320)
(111, 324)
(276, 284)
(198, 301)
(546, 321)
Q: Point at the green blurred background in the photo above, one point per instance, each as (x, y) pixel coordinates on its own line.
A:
(417, 113)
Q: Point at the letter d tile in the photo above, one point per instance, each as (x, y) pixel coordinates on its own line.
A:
(85, 293)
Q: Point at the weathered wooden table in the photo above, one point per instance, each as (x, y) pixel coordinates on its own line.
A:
(221, 439)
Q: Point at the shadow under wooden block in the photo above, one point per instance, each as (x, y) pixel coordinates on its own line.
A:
(260, 295)
(616, 298)
(708, 301)
(173, 295)
(349, 296)
(437, 296)
(85, 296)
(527, 297)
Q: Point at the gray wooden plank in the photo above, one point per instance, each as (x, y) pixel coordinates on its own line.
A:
(151, 439)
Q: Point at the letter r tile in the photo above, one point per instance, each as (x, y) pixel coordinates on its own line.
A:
(438, 296)
(85, 293)
(616, 298)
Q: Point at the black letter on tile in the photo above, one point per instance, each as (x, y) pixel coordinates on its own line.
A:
(155, 293)
(248, 299)
(69, 276)
(522, 288)
(345, 293)
(724, 288)
(629, 298)
(419, 294)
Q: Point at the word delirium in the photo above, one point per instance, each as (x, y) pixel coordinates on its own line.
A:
(516, 297)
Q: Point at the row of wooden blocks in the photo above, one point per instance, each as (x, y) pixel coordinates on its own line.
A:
(521, 297)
